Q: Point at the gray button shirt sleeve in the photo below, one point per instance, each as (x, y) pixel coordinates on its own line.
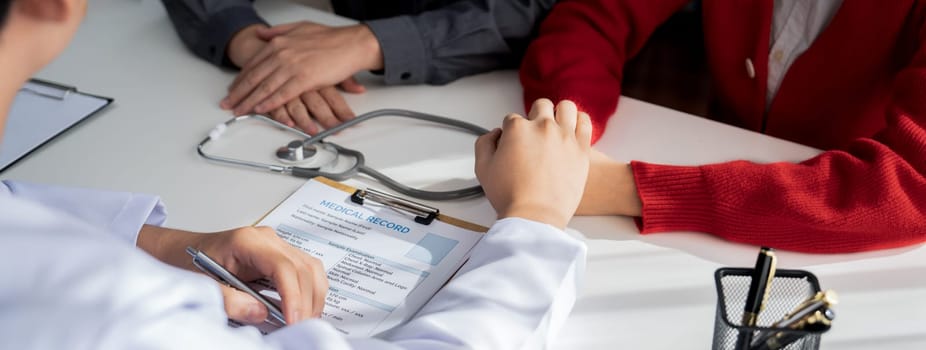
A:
(459, 39)
(206, 26)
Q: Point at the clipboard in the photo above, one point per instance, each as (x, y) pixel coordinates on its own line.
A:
(385, 256)
(41, 111)
(423, 214)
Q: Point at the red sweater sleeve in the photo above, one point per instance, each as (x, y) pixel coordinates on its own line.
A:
(871, 195)
(581, 49)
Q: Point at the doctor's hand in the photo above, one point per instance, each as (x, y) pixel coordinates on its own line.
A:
(301, 57)
(251, 253)
(324, 107)
(536, 167)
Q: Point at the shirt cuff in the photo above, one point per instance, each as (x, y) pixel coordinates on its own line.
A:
(122, 214)
(405, 57)
(515, 233)
(139, 210)
(220, 29)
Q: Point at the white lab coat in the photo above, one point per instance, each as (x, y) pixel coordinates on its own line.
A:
(72, 279)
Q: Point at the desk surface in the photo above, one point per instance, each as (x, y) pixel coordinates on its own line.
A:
(641, 292)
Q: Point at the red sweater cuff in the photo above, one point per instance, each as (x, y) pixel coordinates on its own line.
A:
(675, 198)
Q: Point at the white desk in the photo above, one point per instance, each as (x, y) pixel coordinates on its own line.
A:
(641, 292)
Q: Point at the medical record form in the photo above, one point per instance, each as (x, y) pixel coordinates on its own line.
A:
(382, 266)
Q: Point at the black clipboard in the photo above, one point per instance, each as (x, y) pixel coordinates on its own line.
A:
(41, 111)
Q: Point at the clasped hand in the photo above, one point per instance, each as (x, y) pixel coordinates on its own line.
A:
(536, 167)
(289, 72)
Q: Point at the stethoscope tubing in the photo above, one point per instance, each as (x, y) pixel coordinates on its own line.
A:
(359, 166)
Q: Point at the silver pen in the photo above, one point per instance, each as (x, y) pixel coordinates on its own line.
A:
(216, 271)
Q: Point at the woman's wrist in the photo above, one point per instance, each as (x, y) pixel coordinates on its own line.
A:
(610, 190)
(629, 203)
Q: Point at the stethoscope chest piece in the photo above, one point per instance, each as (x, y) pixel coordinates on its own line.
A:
(300, 153)
(295, 151)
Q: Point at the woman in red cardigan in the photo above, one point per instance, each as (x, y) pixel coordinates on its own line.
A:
(845, 76)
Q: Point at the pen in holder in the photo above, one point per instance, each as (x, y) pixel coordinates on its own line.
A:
(789, 289)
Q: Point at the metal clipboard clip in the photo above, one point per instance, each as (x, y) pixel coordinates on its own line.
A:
(424, 214)
(63, 90)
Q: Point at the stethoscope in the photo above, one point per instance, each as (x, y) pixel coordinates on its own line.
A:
(314, 151)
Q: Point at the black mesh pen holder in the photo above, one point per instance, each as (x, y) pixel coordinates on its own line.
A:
(788, 289)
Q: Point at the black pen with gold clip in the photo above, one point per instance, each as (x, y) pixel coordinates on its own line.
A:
(759, 288)
(812, 315)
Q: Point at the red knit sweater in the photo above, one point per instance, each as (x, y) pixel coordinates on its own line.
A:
(859, 92)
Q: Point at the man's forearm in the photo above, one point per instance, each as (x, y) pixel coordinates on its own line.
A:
(207, 26)
(459, 39)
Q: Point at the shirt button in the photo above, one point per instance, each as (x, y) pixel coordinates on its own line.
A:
(777, 55)
(750, 69)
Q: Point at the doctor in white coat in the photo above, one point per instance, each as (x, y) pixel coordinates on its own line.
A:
(92, 269)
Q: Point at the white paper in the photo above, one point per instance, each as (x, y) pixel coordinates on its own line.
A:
(382, 266)
(36, 116)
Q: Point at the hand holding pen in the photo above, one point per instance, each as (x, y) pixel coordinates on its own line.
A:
(250, 253)
(205, 264)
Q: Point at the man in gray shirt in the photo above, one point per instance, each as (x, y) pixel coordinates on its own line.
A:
(290, 71)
